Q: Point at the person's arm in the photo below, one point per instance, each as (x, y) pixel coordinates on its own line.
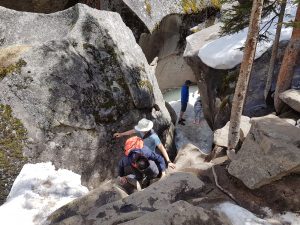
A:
(166, 156)
(121, 167)
(126, 133)
(157, 158)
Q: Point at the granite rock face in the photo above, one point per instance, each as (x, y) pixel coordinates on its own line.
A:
(102, 195)
(160, 27)
(169, 23)
(221, 135)
(208, 78)
(40, 6)
(291, 98)
(151, 12)
(179, 213)
(158, 196)
(168, 41)
(74, 78)
(270, 152)
(190, 157)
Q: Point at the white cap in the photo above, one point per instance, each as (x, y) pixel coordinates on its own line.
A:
(144, 125)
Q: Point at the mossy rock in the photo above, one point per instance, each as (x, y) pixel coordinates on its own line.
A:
(190, 6)
(13, 137)
(4, 71)
(216, 3)
(11, 54)
(228, 84)
(148, 7)
(146, 84)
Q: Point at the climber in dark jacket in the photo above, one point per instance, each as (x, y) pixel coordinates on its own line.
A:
(145, 163)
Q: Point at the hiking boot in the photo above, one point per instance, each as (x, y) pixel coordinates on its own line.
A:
(145, 182)
(181, 123)
(134, 183)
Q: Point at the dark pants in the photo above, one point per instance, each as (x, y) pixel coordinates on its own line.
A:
(183, 106)
(151, 172)
(144, 176)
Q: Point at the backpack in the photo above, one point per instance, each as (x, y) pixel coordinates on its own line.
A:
(133, 143)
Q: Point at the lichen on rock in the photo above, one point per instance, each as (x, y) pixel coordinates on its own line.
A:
(189, 6)
(16, 67)
(146, 84)
(13, 137)
(148, 7)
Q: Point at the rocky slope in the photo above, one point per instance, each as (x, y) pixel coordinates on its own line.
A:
(72, 79)
(188, 195)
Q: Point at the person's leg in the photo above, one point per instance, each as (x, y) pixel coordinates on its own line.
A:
(134, 181)
(198, 117)
(201, 116)
(150, 173)
(180, 115)
(135, 178)
(182, 110)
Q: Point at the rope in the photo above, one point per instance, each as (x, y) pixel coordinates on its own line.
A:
(222, 189)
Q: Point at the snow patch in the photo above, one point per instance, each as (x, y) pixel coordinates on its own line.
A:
(240, 216)
(289, 217)
(38, 191)
(225, 53)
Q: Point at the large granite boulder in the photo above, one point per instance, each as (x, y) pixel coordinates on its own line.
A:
(221, 135)
(151, 12)
(169, 22)
(40, 6)
(173, 188)
(291, 98)
(270, 151)
(72, 79)
(102, 195)
(217, 85)
(160, 27)
(168, 41)
(179, 213)
(49, 6)
(215, 111)
(190, 157)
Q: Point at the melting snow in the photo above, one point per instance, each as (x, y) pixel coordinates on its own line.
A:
(240, 216)
(37, 192)
(224, 53)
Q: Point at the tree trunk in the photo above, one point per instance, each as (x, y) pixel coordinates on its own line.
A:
(275, 49)
(246, 66)
(286, 72)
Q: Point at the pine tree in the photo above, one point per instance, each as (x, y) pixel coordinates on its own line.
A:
(274, 49)
(237, 17)
(243, 79)
(291, 54)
